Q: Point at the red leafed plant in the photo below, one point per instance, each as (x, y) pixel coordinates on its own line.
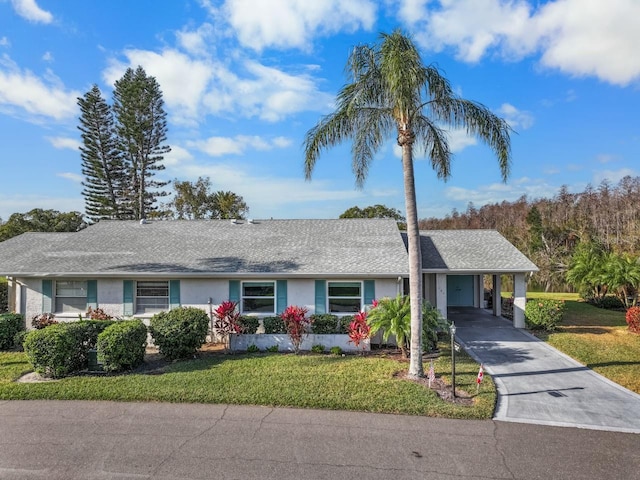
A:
(633, 319)
(297, 324)
(359, 330)
(43, 320)
(227, 320)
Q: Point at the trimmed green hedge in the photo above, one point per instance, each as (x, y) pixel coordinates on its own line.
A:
(4, 297)
(324, 323)
(121, 346)
(249, 324)
(179, 332)
(63, 348)
(273, 325)
(10, 325)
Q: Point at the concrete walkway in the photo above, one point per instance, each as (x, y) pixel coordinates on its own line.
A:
(537, 383)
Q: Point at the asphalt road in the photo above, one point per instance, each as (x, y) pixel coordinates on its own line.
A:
(107, 440)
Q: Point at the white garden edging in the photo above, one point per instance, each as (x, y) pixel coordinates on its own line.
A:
(265, 340)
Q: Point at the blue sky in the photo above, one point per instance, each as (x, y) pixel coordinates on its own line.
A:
(244, 80)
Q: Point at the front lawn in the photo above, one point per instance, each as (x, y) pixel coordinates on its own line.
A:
(597, 338)
(352, 382)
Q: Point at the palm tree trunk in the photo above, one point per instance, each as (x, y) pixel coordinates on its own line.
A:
(416, 368)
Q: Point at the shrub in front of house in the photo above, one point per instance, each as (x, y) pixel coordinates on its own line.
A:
(121, 345)
(317, 348)
(324, 323)
(85, 336)
(608, 302)
(4, 297)
(249, 325)
(297, 323)
(179, 332)
(51, 350)
(253, 349)
(273, 325)
(18, 340)
(345, 322)
(543, 314)
(10, 325)
(633, 319)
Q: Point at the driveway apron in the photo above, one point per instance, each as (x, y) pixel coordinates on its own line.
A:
(538, 384)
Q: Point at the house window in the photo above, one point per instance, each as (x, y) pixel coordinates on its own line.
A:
(71, 296)
(152, 296)
(258, 297)
(344, 297)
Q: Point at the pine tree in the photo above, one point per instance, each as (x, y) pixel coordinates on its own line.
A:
(141, 128)
(101, 161)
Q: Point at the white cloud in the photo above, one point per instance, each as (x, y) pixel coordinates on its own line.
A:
(613, 176)
(294, 23)
(182, 93)
(30, 10)
(47, 57)
(4, 42)
(497, 192)
(64, 142)
(74, 177)
(605, 158)
(577, 37)
(459, 140)
(177, 156)
(516, 118)
(196, 42)
(266, 194)
(219, 146)
(24, 203)
(24, 91)
(253, 90)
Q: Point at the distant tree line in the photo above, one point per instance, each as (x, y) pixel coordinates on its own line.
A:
(549, 230)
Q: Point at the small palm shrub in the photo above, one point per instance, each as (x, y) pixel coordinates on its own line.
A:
(121, 346)
(252, 348)
(10, 325)
(543, 314)
(392, 316)
(179, 332)
(633, 319)
(433, 323)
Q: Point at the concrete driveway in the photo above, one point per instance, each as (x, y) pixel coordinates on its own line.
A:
(537, 383)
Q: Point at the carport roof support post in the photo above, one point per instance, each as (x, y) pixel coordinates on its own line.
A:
(519, 299)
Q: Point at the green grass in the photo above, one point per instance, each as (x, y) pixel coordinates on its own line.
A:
(597, 338)
(352, 382)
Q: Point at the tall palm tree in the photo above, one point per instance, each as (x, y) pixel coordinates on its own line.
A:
(392, 92)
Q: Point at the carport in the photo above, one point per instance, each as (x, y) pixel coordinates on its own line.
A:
(459, 265)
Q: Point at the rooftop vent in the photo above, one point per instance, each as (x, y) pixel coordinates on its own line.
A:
(143, 221)
(234, 221)
(250, 221)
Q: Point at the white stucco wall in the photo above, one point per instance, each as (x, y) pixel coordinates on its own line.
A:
(193, 293)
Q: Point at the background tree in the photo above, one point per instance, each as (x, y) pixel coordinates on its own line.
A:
(194, 200)
(38, 220)
(101, 160)
(228, 205)
(392, 93)
(141, 128)
(375, 211)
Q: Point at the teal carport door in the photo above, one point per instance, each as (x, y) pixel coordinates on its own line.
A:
(460, 290)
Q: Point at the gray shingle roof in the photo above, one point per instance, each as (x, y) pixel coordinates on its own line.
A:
(471, 251)
(365, 247)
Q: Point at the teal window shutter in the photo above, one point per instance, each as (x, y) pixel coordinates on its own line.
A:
(321, 296)
(234, 291)
(127, 297)
(281, 292)
(47, 293)
(174, 293)
(369, 291)
(92, 293)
